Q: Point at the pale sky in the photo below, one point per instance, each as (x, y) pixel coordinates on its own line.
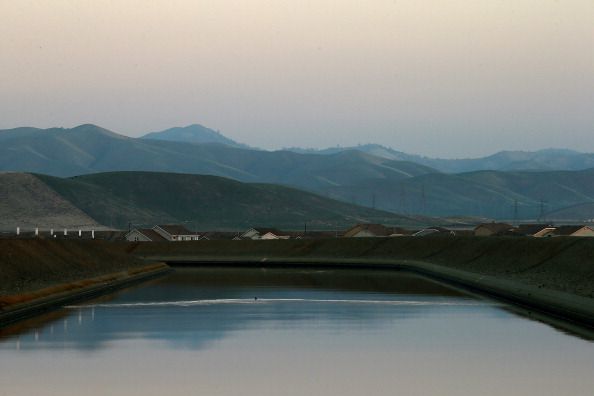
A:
(449, 78)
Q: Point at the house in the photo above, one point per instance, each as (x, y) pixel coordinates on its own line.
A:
(531, 229)
(270, 236)
(490, 229)
(219, 235)
(574, 231)
(434, 231)
(369, 230)
(259, 233)
(143, 235)
(545, 232)
(173, 232)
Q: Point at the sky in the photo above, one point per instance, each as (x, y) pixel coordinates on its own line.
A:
(455, 78)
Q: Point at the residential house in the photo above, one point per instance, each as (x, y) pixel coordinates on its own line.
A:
(574, 231)
(260, 232)
(531, 229)
(372, 230)
(490, 229)
(175, 233)
(144, 235)
(545, 232)
(271, 236)
(219, 235)
(434, 231)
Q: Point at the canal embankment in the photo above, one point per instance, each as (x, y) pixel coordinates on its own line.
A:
(553, 275)
(38, 275)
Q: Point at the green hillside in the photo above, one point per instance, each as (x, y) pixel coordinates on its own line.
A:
(206, 202)
(351, 176)
(90, 149)
(485, 193)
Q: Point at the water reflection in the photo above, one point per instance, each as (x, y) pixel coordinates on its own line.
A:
(291, 332)
(193, 307)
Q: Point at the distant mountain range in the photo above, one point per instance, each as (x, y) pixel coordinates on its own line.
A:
(521, 184)
(148, 198)
(541, 160)
(193, 134)
(547, 159)
(91, 149)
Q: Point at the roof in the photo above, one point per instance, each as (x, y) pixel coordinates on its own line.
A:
(567, 230)
(150, 234)
(264, 230)
(531, 229)
(434, 230)
(212, 235)
(495, 227)
(175, 229)
(314, 234)
(544, 232)
(375, 229)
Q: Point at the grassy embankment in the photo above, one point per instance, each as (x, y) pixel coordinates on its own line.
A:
(39, 270)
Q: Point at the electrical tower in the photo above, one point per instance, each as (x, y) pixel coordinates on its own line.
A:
(541, 216)
(402, 199)
(423, 200)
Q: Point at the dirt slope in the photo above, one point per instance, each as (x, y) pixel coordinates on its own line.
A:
(27, 202)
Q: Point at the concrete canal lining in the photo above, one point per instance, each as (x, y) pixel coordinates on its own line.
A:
(553, 276)
(550, 276)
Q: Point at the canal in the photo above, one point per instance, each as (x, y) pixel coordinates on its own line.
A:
(231, 331)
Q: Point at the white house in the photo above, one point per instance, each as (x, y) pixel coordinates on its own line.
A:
(270, 236)
(143, 235)
(173, 232)
(259, 233)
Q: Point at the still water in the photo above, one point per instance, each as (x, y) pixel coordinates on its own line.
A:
(207, 331)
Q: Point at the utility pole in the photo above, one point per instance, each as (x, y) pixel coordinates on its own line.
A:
(541, 216)
(423, 200)
(402, 199)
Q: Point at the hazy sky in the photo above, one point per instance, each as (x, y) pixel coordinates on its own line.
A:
(436, 77)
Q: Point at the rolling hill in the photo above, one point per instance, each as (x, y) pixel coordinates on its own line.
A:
(352, 176)
(27, 202)
(193, 134)
(206, 202)
(541, 160)
(489, 194)
(90, 149)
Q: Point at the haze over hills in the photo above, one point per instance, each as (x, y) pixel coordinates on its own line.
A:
(372, 176)
(491, 194)
(194, 133)
(91, 149)
(199, 202)
(547, 159)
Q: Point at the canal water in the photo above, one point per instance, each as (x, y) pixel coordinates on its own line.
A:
(208, 331)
